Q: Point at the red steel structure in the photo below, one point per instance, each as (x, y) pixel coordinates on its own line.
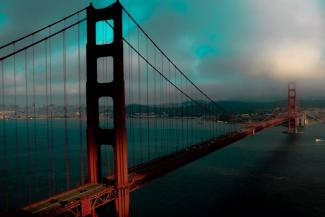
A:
(98, 195)
(101, 189)
(292, 108)
(115, 89)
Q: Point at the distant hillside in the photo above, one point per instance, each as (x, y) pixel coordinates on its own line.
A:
(312, 103)
(187, 108)
(197, 109)
(241, 107)
(235, 107)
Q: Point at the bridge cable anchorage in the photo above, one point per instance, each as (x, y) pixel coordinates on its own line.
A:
(42, 29)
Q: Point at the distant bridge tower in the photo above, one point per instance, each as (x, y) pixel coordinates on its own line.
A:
(96, 136)
(292, 108)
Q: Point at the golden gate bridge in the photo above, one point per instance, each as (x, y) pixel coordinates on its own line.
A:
(93, 109)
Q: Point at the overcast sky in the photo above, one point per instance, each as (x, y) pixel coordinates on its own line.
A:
(231, 48)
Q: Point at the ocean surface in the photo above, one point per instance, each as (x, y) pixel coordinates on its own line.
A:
(40, 158)
(270, 174)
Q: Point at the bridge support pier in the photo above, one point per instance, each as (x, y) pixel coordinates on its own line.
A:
(115, 89)
(292, 109)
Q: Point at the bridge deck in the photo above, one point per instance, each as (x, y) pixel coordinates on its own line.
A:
(95, 195)
(65, 198)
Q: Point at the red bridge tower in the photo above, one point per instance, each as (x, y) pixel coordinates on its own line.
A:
(292, 108)
(96, 136)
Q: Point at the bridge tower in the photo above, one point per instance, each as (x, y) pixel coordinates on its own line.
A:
(96, 136)
(292, 108)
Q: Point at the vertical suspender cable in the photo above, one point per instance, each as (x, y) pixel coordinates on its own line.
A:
(29, 165)
(155, 103)
(162, 107)
(159, 121)
(66, 139)
(191, 110)
(47, 120)
(170, 109)
(52, 172)
(187, 124)
(159, 124)
(165, 111)
(147, 70)
(16, 127)
(81, 158)
(213, 121)
(170, 113)
(216, 123)
(167, 104)
(131, 127)
(4, 141)
(130, 142)
(181, 113)
(35, 165)
(176, 116)
(139, 97)
(174, 123)
(183, 116)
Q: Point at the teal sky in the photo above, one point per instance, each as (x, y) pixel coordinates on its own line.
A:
(3, 16)
(232, 49)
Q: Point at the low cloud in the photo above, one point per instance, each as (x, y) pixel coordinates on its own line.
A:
(254, 46)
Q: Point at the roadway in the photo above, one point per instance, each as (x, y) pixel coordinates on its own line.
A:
(80, 201)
